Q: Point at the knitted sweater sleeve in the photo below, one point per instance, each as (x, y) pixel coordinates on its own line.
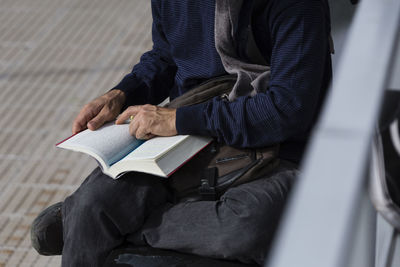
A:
(299, 39)
(152, 78)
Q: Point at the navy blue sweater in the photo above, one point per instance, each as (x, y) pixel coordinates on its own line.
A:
(293, 38)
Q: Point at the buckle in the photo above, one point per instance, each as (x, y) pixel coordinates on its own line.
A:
(207, 185)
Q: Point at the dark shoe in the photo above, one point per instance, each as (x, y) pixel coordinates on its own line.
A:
(47, 231)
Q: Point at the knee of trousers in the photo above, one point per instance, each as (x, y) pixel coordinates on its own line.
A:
(250, 215)
(91, 197)
(244, 235)
(100, 193)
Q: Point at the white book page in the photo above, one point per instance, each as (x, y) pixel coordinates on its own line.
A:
(155, 147)
(111, 142)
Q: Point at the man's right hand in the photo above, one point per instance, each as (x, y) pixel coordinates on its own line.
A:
(99, 111)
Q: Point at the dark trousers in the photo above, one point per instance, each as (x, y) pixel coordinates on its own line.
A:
(104, 213)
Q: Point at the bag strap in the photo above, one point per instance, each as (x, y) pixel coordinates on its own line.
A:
(205, 91)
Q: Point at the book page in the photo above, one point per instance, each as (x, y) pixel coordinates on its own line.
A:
(111, 142)
(155, 147)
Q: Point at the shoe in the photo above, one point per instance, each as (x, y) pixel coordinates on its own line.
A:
(47, 231)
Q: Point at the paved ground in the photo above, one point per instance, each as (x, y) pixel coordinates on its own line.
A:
(55, 55)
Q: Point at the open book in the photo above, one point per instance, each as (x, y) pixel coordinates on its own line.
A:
(118, 152)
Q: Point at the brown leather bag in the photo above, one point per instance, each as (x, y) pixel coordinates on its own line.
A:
(218, 166)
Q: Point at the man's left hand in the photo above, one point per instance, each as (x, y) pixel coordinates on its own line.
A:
(149, 120)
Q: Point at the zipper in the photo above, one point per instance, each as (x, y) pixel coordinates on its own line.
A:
(227, 159)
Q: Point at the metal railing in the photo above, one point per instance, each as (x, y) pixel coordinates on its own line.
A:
(330, 221)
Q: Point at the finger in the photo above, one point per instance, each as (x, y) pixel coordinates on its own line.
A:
(77, 127)
(81, 120)
(139, 129)
(98, 121)
(124, 116)
(148, 136)
(133, 126)
(142, 134)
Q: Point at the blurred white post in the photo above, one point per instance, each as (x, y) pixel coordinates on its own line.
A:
(320, 224)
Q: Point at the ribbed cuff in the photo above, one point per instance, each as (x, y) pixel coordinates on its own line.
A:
(191, 120)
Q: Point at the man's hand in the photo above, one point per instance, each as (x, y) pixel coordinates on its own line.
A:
(103, 109)
(149, 120)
